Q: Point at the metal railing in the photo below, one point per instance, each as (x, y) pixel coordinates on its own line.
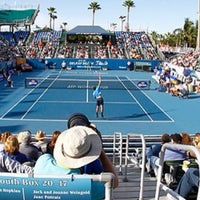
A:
(129, 157)
(118, 150)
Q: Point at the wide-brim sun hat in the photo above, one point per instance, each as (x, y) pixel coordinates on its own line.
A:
(77, 147)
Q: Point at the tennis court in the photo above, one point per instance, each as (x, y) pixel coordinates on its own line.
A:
(132, 103)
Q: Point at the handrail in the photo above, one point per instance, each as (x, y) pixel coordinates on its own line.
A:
(161, 163)
(117, 148)
(127, 157)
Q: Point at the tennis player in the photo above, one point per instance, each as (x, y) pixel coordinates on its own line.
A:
(99, 98)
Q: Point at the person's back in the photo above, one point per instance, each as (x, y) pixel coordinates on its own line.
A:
(30, 151)
(175, 154)
(75, 148)
(11, 149)
(26, 147)
(172, 154)
(153, 153)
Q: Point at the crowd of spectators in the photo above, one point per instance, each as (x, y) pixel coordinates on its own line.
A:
(48, 44)
(22, 149)
(77, 150)
(180, 170)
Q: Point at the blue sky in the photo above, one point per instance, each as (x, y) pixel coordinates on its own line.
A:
(161, 16)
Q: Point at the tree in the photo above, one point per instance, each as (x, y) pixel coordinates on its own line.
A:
(129, 4)
(64, 24)
(122, 18)
(52, 11)
(189, 32)
(94, 6)
(54, 17)
(179, 36)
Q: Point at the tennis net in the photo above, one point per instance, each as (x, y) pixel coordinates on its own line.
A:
(121, 84)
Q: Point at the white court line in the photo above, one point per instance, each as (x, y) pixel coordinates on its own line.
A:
(21, 99)
(87, 92)
(104, 121)
(96, 121)
(154, 102)
(17, 103)
(135, 99)
(36, 101)
(92, 102)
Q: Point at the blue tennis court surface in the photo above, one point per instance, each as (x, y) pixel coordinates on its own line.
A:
(127, 108)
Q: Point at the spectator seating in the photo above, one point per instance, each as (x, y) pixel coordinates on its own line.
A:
(162, 186)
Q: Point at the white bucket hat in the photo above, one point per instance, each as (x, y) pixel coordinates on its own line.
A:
(77, 147)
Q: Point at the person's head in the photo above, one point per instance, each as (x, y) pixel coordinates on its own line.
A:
(24, 137)
(5, 135)
(165, 138)
(11, 145)
(77, 147)
(40, 135)
(176, 138)
(54, 137)
(79, 119)
(94, 87)
(196, 140)
(186, 139)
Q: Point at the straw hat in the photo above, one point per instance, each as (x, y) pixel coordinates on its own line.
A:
(77, 147)
(40, 135)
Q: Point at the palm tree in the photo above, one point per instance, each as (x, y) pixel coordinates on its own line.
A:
(54, 17)
(198, 27)
(129, 4)
(65, 24)
(155, 37)
(94, 6)
(122, 18)
(52, 11)
(179, 36)
(188, 30)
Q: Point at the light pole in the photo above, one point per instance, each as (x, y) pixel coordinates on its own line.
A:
(65, 24)
(122, 21)
(113, 26)
(198, 31)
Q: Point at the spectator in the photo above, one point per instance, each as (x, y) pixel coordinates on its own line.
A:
(46, 64)
(196, 143)
(77, 119)
(196, 140)
(4, 137)
(187, 182)
(11, 149)
(26, 147)
(63, 65)
(154, 150)
(186, 139)
(74, 148)
(170, 154)
(41, 143)
(7, 164)
(51, 144)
